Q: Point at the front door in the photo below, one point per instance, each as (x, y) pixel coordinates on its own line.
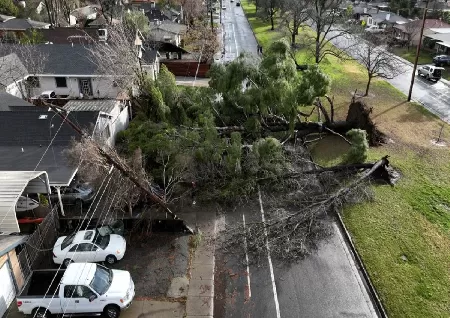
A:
(85, 85)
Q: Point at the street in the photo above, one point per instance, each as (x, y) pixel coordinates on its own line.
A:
(324, 284)
(435, 96)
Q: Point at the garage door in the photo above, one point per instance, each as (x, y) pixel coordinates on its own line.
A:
(7, 290)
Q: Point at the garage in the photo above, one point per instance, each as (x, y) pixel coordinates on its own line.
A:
(7, 288)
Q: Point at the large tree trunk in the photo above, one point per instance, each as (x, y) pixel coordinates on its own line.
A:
(271, 21)
(293, 38)
(317, 51)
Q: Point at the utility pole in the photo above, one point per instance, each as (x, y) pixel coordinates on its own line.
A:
(413, 76)
(211, 14)
(220, 11)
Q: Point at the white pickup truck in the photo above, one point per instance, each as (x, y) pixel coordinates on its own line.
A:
(81, 289)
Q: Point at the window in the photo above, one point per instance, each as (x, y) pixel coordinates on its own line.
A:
(87, 247)
(79, 291)
(102, 279)
(61, 82)
(67, 241)
(74, 248)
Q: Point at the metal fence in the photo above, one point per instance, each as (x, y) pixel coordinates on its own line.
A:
(37, 252)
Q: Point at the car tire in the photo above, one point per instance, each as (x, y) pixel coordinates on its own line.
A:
(110, 259)
(111, 311)
(427, 77)
(41, 313)
(67, 262)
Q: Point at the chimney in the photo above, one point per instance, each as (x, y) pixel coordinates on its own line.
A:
(365, 10)
(152, 4)
(388, 16)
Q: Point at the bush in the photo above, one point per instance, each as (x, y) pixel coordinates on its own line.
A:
(359, 148)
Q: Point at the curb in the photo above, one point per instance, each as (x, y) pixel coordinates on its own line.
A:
(373, 293)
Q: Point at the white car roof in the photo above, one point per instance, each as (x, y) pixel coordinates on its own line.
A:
(79, 274)
(84, 237)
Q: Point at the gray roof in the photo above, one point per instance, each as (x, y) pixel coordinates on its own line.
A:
(22, 24)
(10, 242)
(169, 26)
(7, 101)
(100, 105)
(24, 138)
(382, 15)
(60, 59)
(149, 56)
(11, 69)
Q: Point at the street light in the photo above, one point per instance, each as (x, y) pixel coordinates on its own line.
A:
(413, 76)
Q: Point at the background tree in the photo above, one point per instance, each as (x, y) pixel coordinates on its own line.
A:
(32, 36)
(202, 41)
(293, 15)
(269, 10)
(374, 55)
(7, 7)
(328, 25)
(136, 20)
(412, 30)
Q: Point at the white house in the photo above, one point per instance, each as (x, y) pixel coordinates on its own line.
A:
(69, 70)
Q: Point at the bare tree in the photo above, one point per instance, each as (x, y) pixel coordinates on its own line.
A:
(120, 57)
(293, 15)
(202, 42)
(412, 30)
(374, 55)
(193, 9)
(327, 24)
(19, 65)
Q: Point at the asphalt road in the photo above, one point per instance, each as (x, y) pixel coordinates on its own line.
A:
(435, 96)
(324, 284)
(238, 36)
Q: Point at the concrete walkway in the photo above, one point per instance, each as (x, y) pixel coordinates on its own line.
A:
(200, 298)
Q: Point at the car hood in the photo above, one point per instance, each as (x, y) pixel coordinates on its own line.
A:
(120, 284)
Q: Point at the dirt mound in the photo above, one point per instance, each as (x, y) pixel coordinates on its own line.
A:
(358, 116)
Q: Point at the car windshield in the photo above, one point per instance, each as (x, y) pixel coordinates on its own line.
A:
(101, 241)
(102, 279)
(67, 241)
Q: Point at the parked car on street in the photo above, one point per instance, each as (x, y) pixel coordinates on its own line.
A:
(81, 289)
(89, 246)
(76, 194)
(373, 29)
(440, 60)
(430, 72)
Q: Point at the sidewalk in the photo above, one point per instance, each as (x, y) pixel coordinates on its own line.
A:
(200, 298)
(154, 308)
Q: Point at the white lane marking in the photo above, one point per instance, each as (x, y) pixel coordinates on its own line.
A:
(235, 41)
(272, 276)
(246, 258)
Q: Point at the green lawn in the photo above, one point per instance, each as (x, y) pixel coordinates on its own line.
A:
(403, 236)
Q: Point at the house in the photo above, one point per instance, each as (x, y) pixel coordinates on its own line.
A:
(69, 70)
(18, 27)
(410, 31)
(438, 39)
(150, 62)
(154, 11)
(11, 275)
(167, 31)
(385, 20)
(113, 116)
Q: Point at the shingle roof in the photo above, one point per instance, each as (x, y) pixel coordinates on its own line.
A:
(169, 26)
(149, 56)
(103, 105)
(60, 59)
(24, 138)
(22, 24)
(69, 35)
(7, 101)
(11, 69)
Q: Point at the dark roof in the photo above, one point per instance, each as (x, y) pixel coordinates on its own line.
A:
(22, 24)
(164, 47)
(60, 59)
(24, 138)
(156, 14)
(7, 101)
(149, 56)
(70, 35)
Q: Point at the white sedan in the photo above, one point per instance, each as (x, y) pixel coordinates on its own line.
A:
(89, 246)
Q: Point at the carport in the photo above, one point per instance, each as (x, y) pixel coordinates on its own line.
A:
(13, 184)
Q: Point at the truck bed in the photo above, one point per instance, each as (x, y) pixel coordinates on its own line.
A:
(39, 283)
